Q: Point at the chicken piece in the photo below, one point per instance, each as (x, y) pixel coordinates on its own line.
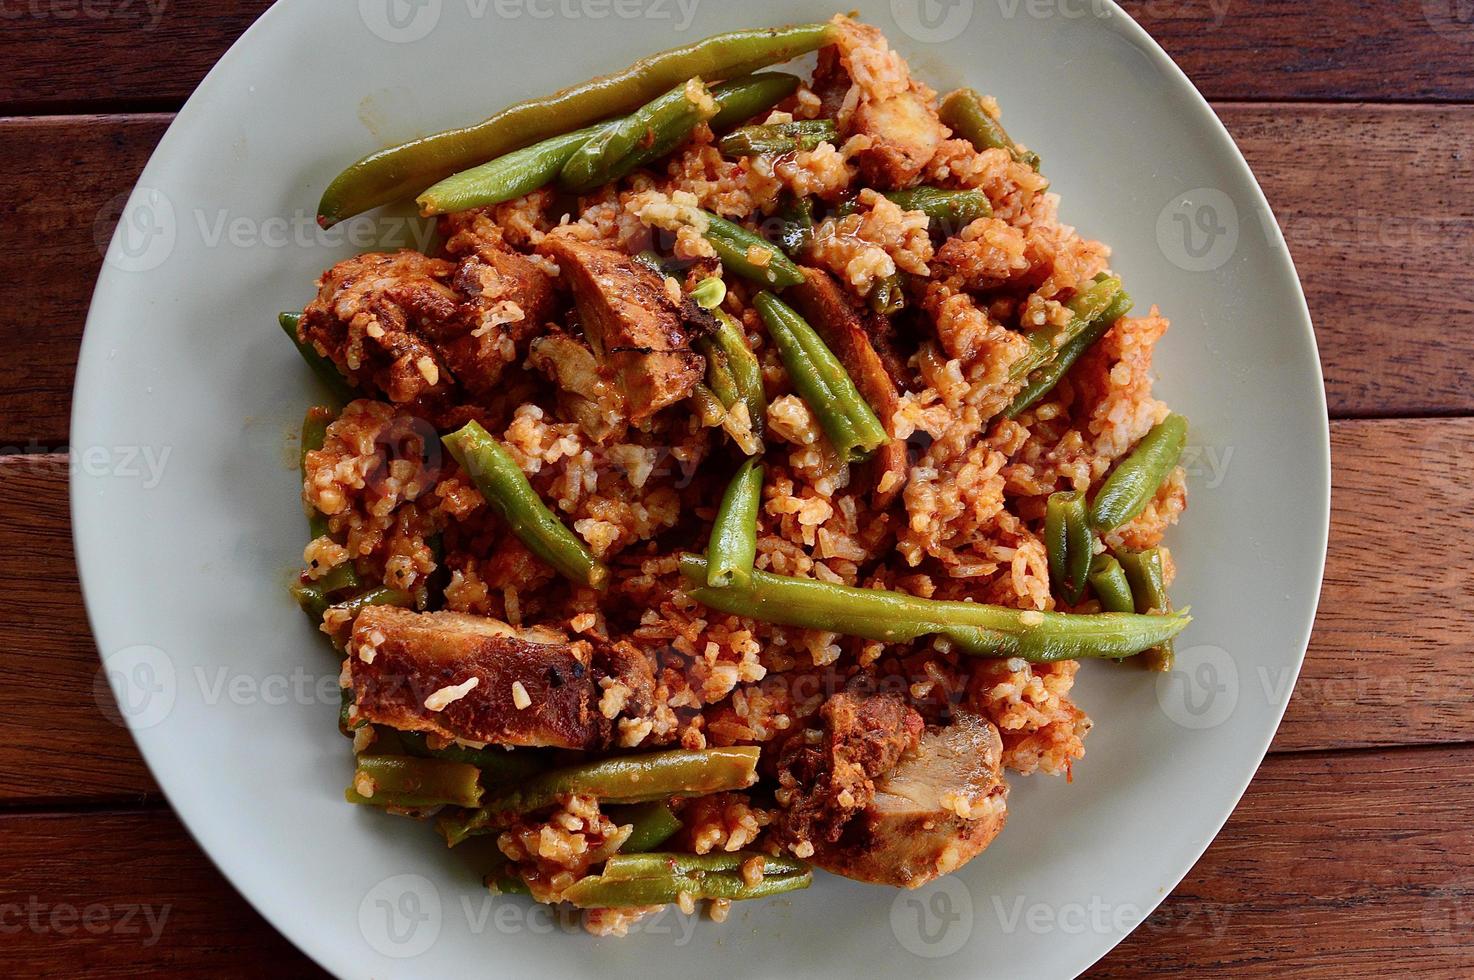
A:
(826, 780)
(368, 317)
(637, 331)
(848, 333)
(583, 392)
(931, 814)
(474, 678)
(885, 104)
(413, 327)
(509, 299)
(905, 134)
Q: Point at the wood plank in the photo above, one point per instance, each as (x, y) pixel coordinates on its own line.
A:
(126, 895)
(53, 233)
(1387, 664)
(1382, 249)
(60, 735)
(1288, 49)
(113, 53)
(1389, 658)
(1377, 204)
(1334, 865)
(104, 54)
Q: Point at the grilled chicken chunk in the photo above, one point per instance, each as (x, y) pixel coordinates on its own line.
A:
(508, 300)
(584, 393)
(905, 132)
(825, 781)
(637, 331)
(824, 304)
(935, 811)
(474, 678)
(412, 327)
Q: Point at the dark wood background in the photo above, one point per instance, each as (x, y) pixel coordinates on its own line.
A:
(1352, 855)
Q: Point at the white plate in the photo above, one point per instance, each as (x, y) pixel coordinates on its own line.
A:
(232, 699)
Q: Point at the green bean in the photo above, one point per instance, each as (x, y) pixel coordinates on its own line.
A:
(621, 779)
(627, 865)
(405, 170)
(497, 765)
(523, 171)
(894, 617)
(822, 382)
(736, 368)
(505, 487)
(709, 293)
(719, 376)
(776, 138)
(507, 177)
(962, 111)
(733, 243)
(652, 824)
(346, 724)
(733, 545)
(1046, 342)
(1148, 577)
(742, 98)
(1069, 544)
(889, 295)
(796, 225)
(954, 209)
(651, 260)
(501, 874)
(601, 892)
(410, 783)
(647, 134)
(1111, 587)
(315, 600)
(1043, 381)
(314, 434)
(311, 599)
(326, 371)
(1135, 480)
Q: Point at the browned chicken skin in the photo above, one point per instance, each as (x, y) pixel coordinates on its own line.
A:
(937, 809)
(636, 329)
(413, 327)
(825, 782)
(532, 687)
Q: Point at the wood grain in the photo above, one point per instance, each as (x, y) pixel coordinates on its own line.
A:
(1389, 658)
(1348, 865)
(59, 58)
(61, 738)
(126, 895)
(65, 56)
(53, 233)
(1333, 865)
(1383, 249)
(1288, 49)
(1377, 205)
(1387, 663)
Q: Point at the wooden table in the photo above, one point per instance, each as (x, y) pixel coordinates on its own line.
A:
(1352, 853)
